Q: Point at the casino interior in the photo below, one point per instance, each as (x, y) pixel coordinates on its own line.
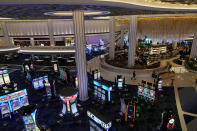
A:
(97, 65)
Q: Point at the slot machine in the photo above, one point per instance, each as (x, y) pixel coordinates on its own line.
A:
(15, 105)
(24, 101)
(68, 97)
(130, 112)
(6, 77)
(48, 90)
(28, 114)
(5, 110)
(120, 82)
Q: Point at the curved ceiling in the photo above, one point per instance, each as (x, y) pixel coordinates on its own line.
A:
(36, 11)
(140, 4)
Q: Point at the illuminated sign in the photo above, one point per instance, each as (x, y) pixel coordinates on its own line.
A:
(97, 120)
(13, 96)
(69, 98)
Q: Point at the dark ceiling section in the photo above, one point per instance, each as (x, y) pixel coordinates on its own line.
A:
(32, 11)
(180, 1)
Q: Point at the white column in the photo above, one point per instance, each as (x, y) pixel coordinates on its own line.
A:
(132, 41)
(193, 53)
(5, 33)
(174, 45)
(112, 38)
(122, 35)
(32, 41)
(79, 32)
(51, 33)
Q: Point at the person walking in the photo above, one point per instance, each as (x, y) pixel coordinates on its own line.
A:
(134, 75)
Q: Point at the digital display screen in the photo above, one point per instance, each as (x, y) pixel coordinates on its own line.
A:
(46, 79)
(103, 97)
(74, 108)
(122, 105)
(24, 101)
(99, 75)
(146, 92)
(6, 78)
(41, 85)
(95, 75)
(120, 84)
(35, 84)
(30, 127)
(15, 105)
(55, 67)
(99, 94)
(28, 119)
(1, 80)
(152, 94)
(95, 92)
(4, 108)
(27, 67)
(140, 90)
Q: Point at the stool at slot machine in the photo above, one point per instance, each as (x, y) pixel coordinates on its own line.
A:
(68, 97)
(28, 114)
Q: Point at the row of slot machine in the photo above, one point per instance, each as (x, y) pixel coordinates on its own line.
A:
(10, 103)
(147, 91)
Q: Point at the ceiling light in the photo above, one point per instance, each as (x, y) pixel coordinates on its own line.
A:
(4, 18)
(70, 13)
(102, 18)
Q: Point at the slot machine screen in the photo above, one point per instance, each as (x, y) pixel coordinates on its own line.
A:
(1, 80)
(95, 75)
(24, 101)
(4, 108)
(140, 90)
(55, 67)
(152, 94)
(48, 91)
(35, 84)
(122, 105)
(26, 67)
(46, 79)
(103, 97)
(41, 84)
(99, 75)
(6, 78)
(15, 105)
(95, 90)
(120, 83)
(28, 119)
(32, 66)
(145, 93)
(99, 92)
(74, 108)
